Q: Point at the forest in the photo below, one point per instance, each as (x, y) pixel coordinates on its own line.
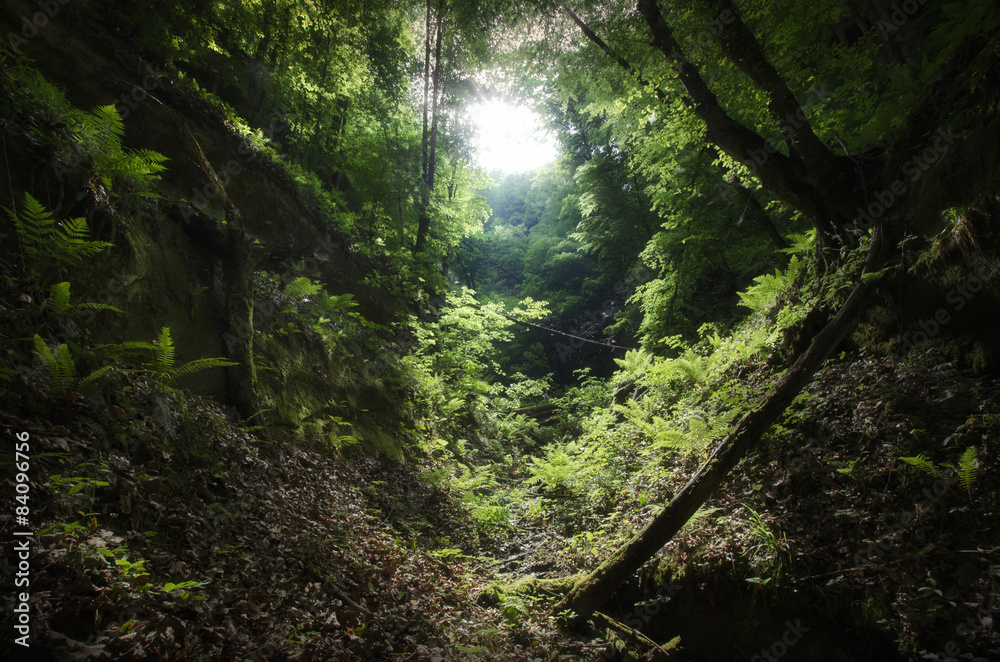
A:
(289, 372)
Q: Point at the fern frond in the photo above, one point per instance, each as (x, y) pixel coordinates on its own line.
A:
(153, 161)
(800, 243)
(58, 363)
(104, 125)
(51, 246)
(669, 439)
(691, 366)
(59, 298)
(301, 287)
(35, 225)
(201, 364)
(163, 360)
(43, 350)
(635, 361)
(923, 464)
(331, 304)
(119, 350)
(94, 376)
(762, 293)
(968, 467)
(98, 306)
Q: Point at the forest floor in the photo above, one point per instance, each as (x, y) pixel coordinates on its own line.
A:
(854, 517)
(167, 530)
(199, 540)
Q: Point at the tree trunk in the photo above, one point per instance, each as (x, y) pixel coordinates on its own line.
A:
(595, 589)
(753, 207)
(811, 179)
(238, 278)
(432, 85)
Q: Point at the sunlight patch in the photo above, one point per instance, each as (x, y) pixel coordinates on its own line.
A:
(511, 138)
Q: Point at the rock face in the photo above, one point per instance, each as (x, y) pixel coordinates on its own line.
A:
(166, 268)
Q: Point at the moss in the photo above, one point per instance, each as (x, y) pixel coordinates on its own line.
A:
(496, 592)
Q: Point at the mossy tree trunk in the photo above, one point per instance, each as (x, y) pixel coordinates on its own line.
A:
(238, 280)
(595, 589)
(239, 337)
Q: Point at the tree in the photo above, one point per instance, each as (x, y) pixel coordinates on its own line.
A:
(829, 190)
(432, 81)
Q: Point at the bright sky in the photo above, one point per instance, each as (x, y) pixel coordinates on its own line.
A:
(511, 138)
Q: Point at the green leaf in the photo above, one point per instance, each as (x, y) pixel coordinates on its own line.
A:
(163, 361)
(59, 298)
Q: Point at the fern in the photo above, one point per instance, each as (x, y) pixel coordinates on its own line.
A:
(301, 287)
(96, 135)
(635, 361)
(58, 363)
(59, 302)
(968, 468)
(161, 365)
(666, 437)
(50, 247)
(103, 371)
(336, 303)
(61, 368)
(800, 243)
(763, 292)
(924, 465)
(563, 469)
(766, 289)
(59, 299)
(200, 364)
(101, 132)
(690, 366)
(163, 357)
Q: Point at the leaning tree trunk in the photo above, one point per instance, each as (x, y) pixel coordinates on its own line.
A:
(595, 589)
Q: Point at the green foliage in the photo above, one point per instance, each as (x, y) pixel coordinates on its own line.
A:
(58, 363)
(158, 358)
(319, 310)
(924, 465)
(690, 367)
(302, 287)
(564, 470)
(769, 554)
(100, 133)
(966, 470)
(59, 302)
(464, 341)
(60, 366)
(760, 296)
(48, 246)
(162, 362)
(84, 141)
(635, 362)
